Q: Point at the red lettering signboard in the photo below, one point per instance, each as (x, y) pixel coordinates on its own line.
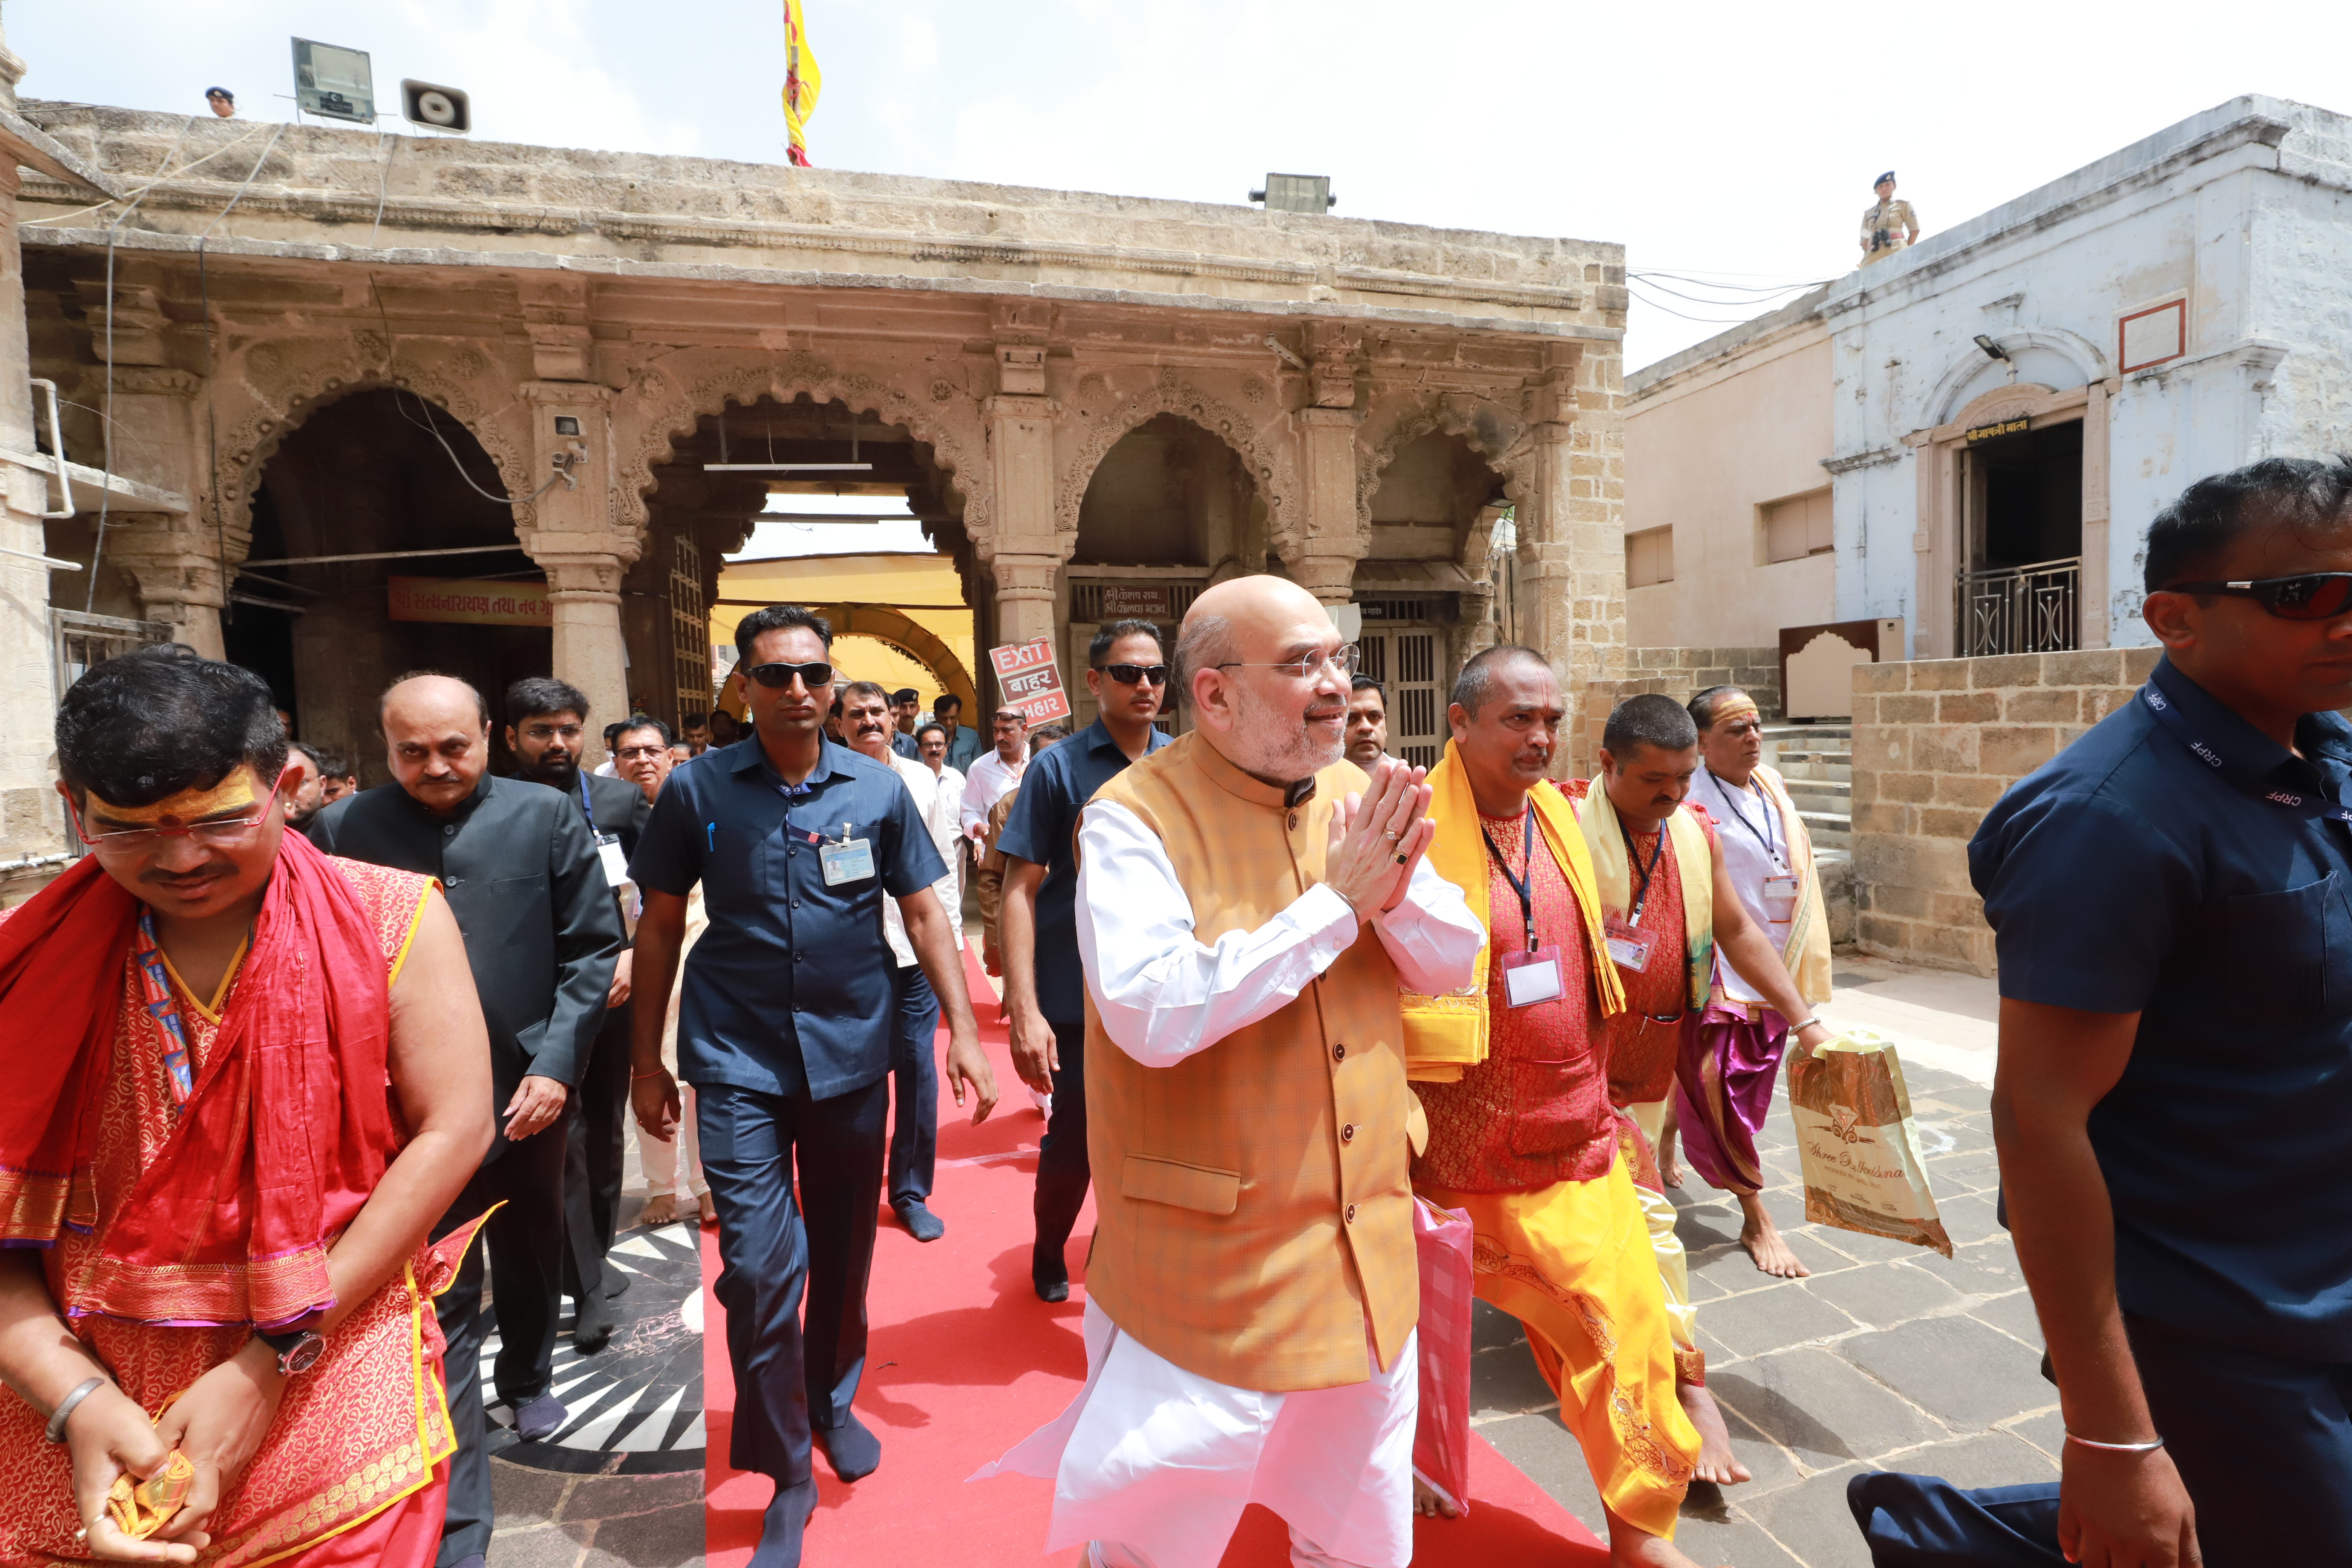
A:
(468, 601)
(1026, 675)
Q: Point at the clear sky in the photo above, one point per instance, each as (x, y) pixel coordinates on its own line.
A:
(1734, 141)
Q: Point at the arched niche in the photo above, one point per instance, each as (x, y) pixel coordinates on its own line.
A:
(1169, 493)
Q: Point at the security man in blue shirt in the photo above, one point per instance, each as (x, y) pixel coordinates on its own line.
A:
(1045, 989)
(784, 1032)
(2171, 897)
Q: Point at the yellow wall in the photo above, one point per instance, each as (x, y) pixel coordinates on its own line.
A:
(925, 588)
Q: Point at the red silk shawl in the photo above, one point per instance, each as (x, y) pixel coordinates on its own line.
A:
(290, 1127)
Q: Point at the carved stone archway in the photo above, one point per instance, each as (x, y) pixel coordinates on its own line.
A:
(672, 393)
(1272, 467)
(1492, 431)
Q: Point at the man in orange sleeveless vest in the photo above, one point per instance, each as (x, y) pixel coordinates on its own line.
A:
(1522, 1138)
(1252, 1289)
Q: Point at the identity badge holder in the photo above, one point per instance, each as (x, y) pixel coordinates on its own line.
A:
(1629, 945)
(615, 862)
(1532, 977)
(1781, 897)
(847, 859)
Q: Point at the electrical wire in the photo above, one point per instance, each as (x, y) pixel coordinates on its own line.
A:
(381, 175)
(212, 365)
(138, 195)
(428, 423)
(1686, 315)
(1649, 274)
(1760, 298)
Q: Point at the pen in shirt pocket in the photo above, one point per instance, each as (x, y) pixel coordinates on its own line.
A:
(710, 842)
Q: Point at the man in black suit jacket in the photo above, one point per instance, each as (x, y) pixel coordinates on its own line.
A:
(547, 721)
(519, 866)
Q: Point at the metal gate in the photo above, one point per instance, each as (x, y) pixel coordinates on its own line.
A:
(76, 641)
(1403, 659)
(689, 632)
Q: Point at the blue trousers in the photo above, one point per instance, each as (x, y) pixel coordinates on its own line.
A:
(1062, 1168)
(2263, 1444)
(783, 1244)
(915, 1085)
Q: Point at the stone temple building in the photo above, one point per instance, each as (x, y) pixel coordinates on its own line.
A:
(384, 402)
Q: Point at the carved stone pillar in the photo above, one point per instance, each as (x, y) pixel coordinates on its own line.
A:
(176, 568)
(1572, 552)
(571, 532)
(1332, 539)
(1027, 550)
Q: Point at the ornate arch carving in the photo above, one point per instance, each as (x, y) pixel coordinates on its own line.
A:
(1493, 432)
(673, 392)
(285, 394)
(1272, 467)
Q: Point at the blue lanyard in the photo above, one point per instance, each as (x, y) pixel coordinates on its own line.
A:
(585, 809)
(2168, 714)
(1769, 837)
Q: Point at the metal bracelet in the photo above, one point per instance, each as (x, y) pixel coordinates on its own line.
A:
(2116, 1447)
(1806, 1024)
(83, 1390)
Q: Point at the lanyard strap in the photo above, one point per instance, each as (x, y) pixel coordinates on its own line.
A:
(1521, 883)
(2169, 715)
(1770, 838)
(585, 809)
(1642, 899)
(155, 984)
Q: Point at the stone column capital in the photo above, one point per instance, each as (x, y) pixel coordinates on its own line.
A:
(1329, 577)
(156, 381)
(1006, 405)
(1028, 578)
(567, 393)
(1331, 418)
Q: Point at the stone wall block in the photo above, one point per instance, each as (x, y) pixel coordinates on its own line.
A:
(1878, 816)
(2098, 704)
(1946, 749)
(1915, 788)
(1945, 822)
(1939, 675)
(2013, 751)
(1906, 709)
(1974, 792)
(1969, 708)
(1956, 908)
(2011, 670)
(1891, 898)
(2088, 666)
(2038, 705)
(1865, 712)
(2139, 663)
(1882, 677)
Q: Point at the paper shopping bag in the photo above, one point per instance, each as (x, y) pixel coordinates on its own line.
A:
(1856, 1143)
(1441, 1438)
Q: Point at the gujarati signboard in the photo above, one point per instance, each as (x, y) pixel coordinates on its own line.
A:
(1026, 675)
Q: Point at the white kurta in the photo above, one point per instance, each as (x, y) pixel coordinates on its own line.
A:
(925, 786)
(1755, 845)
(990, 779)
(1155, 1462)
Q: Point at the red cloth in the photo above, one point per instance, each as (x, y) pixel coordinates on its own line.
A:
(1441, 1437)
(290, 1127)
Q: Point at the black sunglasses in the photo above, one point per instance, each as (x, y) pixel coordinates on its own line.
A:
(2314, 596)
(776, 676)
(1136, 674)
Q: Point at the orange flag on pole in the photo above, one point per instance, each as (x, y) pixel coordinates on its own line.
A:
(802, 80)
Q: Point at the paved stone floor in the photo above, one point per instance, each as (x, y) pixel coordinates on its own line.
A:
(1888, 1357)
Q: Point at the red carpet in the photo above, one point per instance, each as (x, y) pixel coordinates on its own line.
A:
(964, 1360)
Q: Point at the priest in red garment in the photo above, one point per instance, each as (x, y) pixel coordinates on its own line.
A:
(244, 1081)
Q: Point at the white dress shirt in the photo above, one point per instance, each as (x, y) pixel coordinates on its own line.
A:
(926, 787)
(1755, 845)
(1163, 996)
(990, 780)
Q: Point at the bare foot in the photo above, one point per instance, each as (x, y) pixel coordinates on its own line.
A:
(660, 1209)
(709, 1209)
(1429, 1501)
(1764, 1242)
(1670, 1170)
(1716, 1462)
(1632, 1548)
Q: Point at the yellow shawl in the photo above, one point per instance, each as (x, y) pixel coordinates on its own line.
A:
(1694, 859)
(1806, 953)
(1443, 1035)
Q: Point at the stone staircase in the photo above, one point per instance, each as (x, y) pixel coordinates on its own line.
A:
(1817, 762)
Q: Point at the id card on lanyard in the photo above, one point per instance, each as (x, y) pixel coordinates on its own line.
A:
(610, 856)
(1629, 945)
(846, 859)
(1534, 973)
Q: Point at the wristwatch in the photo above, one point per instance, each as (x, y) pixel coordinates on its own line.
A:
(298, 1350)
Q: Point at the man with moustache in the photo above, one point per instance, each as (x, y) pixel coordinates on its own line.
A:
(1044, 993)
(783, 1032)
(1522, 1137)
(1248, 904)
(915, 1008)
(1367, 722)
(542, 935)
(1668, 907)
(546, 723)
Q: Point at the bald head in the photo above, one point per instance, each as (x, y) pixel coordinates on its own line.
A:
(436, 739)
(1240, 653)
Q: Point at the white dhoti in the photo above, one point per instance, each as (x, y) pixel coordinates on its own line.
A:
(1156, 1463)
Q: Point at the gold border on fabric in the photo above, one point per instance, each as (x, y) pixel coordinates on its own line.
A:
(267, 1291)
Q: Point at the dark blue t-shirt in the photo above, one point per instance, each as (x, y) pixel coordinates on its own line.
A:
(1042, 828)
(2124, 875)
(789, 989)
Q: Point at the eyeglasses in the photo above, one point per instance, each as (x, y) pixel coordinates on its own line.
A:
(552, 731)
(233, 834)
(641, 754)
(2314, 596)
(776, 676)
(1136, 674)
(1343, 661)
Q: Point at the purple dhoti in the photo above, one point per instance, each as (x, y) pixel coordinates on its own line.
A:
(1723, 1090)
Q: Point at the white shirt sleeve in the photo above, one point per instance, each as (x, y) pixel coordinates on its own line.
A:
(1163, 996)
(973, 811)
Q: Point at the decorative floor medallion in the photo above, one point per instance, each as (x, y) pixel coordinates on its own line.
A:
(640, 1397)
